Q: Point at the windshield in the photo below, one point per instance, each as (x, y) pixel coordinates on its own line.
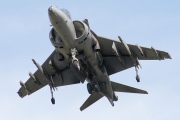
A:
(66, 12)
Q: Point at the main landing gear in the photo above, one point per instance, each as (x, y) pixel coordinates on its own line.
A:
(91, 88)
(115, 97)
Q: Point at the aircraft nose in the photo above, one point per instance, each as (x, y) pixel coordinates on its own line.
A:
(50, 9)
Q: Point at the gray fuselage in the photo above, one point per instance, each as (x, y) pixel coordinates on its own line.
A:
(74, 41)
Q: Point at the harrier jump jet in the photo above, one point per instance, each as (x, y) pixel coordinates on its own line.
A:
(81, 55)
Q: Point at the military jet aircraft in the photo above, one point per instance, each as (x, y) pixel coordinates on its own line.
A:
(81, 55)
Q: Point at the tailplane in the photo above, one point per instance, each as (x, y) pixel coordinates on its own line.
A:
(95, 96)
(124, 88)
(111, 101)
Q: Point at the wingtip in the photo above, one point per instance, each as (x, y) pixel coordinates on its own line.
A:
(81, 109)
(20, 95)
(169, 56)
(143, 92)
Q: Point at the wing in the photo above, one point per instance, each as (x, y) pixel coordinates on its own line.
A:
(45, 75)
(119, 56)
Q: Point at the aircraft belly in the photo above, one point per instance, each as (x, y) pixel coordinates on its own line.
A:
(66, 32)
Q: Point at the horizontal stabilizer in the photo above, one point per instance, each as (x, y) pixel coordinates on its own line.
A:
(123, 88)
(95, 96)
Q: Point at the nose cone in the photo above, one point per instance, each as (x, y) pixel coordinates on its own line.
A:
(50, 9)
(55, 15)
(52, 14)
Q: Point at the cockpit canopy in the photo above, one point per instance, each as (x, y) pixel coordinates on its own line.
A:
(66, 12)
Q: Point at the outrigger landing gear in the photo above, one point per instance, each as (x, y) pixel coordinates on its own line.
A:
(137, 76)
(52, 99)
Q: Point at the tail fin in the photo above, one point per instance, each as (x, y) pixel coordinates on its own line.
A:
(123, 88)
(95, 96)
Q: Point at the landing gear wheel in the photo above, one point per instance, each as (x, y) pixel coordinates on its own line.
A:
(53, 100)
(89, 88)
(137, 78)
(115, 97)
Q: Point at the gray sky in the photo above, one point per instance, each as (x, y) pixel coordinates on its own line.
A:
(24, 28)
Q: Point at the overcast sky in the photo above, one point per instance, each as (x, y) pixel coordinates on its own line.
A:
(24, 31)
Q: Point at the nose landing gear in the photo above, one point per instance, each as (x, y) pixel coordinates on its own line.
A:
(75, 61)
